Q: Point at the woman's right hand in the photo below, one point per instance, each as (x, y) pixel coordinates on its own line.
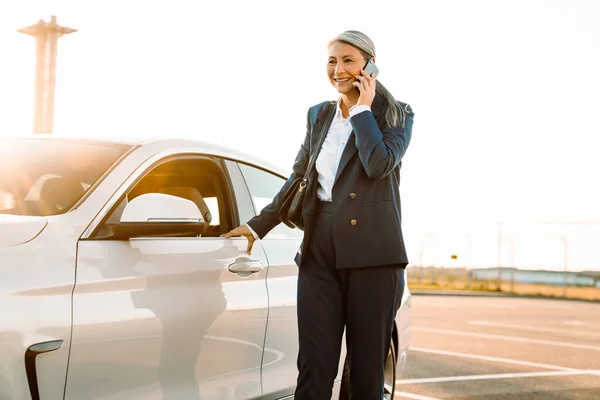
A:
(242, 230)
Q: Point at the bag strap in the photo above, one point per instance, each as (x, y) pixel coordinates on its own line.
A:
(323, 135)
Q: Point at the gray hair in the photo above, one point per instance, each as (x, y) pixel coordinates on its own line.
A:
(395, 113)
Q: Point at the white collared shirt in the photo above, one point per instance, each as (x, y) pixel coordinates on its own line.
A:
(330, 156)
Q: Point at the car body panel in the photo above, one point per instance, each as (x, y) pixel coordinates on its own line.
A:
(36, 284)
(279, 373)
(15, 230)
(403, 329)
(164, 318)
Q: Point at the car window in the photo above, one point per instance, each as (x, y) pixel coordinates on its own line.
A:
(46, 177)
(263, 186)
(198, 179)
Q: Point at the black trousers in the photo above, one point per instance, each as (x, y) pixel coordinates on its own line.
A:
(363, 300)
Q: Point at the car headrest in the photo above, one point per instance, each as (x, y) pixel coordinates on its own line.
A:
(60, 194)
(191, 193)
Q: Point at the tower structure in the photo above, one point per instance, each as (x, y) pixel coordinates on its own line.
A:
(46, 35)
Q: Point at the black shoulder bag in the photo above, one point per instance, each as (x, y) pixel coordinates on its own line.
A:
(290, 212)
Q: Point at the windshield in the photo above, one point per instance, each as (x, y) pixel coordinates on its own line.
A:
(42, 177)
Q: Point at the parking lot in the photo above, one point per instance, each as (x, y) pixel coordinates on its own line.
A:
(472, 347)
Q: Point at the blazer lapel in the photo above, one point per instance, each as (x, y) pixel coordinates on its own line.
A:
(318, 126)
(351, 149)
(347, 155)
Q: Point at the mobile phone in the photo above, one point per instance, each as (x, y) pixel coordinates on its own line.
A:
(371, 68)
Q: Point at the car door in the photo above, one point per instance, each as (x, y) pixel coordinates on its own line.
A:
(280, 245)
(164, 317)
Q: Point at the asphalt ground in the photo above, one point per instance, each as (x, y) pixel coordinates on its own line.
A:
(481, 347)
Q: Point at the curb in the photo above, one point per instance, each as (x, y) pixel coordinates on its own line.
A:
(458, 293)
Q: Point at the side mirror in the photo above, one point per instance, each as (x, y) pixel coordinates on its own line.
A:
(157, 214)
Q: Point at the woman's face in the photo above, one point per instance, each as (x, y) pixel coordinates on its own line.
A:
(344, 63)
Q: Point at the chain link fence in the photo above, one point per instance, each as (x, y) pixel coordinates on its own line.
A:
(543, 258)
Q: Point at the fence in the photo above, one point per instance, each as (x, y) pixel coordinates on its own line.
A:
(507, 255)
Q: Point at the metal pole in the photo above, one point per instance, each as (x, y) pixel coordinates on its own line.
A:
(40, 68)
(512, 264)
(470, 259)
(499, 255)
(421, 265)
(51, 77)
(566, 261)
(425, 237)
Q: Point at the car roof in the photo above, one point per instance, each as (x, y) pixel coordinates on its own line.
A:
(169, 143)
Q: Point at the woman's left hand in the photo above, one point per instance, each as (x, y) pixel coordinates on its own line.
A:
(366, 85)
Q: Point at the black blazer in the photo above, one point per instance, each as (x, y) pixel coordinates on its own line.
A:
(367, 229)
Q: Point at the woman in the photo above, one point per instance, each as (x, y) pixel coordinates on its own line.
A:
(352, 256)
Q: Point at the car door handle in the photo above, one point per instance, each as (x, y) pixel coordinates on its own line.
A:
(246, 265)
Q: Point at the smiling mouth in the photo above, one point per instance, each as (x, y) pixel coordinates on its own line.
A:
(341, 80)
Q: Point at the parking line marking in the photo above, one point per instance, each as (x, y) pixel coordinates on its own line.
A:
(413, 396)
(496, 376)
(499, 306)
(580, 323)
(509, 338)
(495, 359)
(533, 328)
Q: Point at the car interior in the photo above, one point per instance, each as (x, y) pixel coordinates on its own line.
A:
(49, 195)
(45, 178)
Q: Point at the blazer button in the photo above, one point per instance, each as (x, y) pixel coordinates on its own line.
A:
(352, 195)
(353, 222)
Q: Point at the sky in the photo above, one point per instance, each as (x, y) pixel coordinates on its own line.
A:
(506, 94)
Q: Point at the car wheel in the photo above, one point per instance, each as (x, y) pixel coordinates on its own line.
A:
(389, 376)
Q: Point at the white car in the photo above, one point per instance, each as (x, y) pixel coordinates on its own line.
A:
(115, 282)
